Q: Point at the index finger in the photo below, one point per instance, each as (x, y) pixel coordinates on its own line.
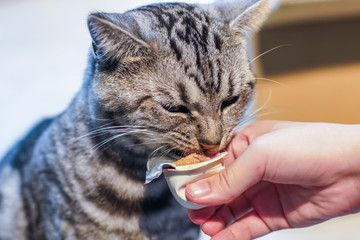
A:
(245, 137)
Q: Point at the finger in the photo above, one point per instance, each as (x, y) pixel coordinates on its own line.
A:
(249, 227)
(259, 207)
(216, 223)
(226, 215)
(225, 186)
(237, 146)
(201, 215)
(244, 137)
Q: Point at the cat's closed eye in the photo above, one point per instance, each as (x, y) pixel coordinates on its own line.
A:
(177, 109)
(228, 102)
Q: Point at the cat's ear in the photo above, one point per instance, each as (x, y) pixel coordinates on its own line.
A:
(246, 17)
(113, 42)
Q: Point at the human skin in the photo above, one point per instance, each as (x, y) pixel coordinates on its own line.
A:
(280, 175)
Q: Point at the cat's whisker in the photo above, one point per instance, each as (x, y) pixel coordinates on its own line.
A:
(144, 144)
(268, 51)
(268, 113)
(105, 130)
(102, 143)
(123, 128)
(253, 115)
(101, 119)
(251, 118)
(168, 151)
(272, 81)
(265, 103)
(150, 141)
(153, 153)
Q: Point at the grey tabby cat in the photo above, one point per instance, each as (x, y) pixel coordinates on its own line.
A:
(162, 79)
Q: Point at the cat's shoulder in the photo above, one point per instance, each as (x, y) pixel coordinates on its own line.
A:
(20, 153)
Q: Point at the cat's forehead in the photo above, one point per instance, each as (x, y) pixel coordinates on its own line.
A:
(194, 42)
(176, 23)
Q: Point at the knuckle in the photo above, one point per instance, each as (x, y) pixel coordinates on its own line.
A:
(224, 183)
(248, 232)
(233, 234)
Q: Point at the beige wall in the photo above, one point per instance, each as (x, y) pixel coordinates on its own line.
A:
(329, 94)
(316, 67)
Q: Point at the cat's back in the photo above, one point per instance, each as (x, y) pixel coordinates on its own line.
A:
(12, 208)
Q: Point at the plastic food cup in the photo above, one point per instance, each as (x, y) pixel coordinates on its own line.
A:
(178, 178)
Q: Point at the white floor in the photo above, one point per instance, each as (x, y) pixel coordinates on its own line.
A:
(43, 53)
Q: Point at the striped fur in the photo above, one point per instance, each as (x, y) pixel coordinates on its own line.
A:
(162, 79)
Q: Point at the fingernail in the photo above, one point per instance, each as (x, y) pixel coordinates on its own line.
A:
(198, 189)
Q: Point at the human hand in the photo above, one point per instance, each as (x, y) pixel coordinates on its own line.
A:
(280, 175)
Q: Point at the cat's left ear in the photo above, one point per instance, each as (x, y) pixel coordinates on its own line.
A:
(114, 42)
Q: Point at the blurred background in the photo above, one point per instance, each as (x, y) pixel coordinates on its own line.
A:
(316, 61)
(312, 72)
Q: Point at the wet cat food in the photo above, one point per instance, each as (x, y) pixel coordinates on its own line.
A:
(191, 159)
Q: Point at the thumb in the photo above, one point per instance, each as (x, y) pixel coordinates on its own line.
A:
(236, 178)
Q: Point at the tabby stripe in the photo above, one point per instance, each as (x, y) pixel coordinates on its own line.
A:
(217, 42)
(183, 94)
(31, 209)
(231, 85)
(205, 34)
(139, 102)
(128, 160)
(211, 68)
(190, 24)
(219, 75)
(198, 60)
(107, 199)
(206, 18)
(198, 38)
(159, 13)
(251, 84)
(181, 139)
(175, 49)
(196, 80)
(186, 68)
(163, 91)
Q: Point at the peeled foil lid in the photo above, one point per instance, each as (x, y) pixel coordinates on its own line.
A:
(155, 166)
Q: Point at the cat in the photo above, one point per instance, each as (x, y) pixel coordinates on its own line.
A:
(169, 78)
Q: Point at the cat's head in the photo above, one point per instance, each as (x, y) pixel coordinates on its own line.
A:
(175, 76)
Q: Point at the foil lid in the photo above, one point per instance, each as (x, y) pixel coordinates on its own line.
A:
(155, 166)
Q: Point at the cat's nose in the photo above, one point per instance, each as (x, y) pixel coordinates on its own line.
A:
(210, 149)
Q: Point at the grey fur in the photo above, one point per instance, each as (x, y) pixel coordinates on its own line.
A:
(161, 78)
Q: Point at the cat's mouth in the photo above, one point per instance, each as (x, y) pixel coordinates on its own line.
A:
(177, 154)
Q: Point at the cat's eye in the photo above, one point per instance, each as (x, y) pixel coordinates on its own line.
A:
(177, 109)
(228, 102)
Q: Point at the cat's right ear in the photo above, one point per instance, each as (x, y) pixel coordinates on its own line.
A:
(113, 43)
